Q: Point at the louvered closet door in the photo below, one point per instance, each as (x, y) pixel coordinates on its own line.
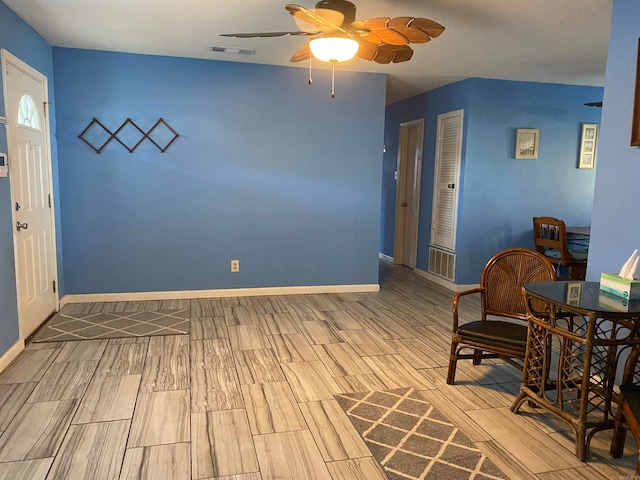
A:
(446, 178)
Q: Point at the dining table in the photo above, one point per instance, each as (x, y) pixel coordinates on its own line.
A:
(577, 336)
(578, 238)
(579, 231)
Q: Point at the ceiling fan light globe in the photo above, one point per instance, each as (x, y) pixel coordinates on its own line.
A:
(334, 49)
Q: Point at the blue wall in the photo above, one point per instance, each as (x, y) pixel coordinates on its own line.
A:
(267, 170)
(615, 228)
(22, 41)
(499, 195)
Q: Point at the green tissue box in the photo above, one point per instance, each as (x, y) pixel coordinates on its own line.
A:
(621, 287)
(616, 303)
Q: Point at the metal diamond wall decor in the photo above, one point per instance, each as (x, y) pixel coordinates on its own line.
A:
(128, 132)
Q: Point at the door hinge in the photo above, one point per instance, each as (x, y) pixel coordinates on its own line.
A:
(54, 286)
(50, 201)
(44, 104)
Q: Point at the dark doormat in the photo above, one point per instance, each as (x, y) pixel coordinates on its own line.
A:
(88, 326)
(412, 440)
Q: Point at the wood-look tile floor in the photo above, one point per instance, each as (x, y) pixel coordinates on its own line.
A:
(249, 394)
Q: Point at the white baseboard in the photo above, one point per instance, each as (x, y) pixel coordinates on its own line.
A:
(386, 258)
(10, 354)
(444, 282)
(226, 292)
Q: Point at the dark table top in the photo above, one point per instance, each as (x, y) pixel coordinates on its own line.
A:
(583, 231)
(585, 296)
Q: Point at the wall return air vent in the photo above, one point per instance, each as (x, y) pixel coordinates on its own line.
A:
(233, 50)
(442, 263)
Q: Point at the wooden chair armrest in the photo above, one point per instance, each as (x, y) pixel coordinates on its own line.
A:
(456, 299)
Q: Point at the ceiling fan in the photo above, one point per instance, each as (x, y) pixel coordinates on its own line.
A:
(337, 36)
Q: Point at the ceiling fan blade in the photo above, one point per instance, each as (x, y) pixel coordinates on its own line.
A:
(263, 34)
(403, 54)
(375, 23)
(388, 36)
(414, 35)
(376, 30)
(398, 30)
(331, 16)
(433, 29)
(303, 54)
(321, 23)
(405, 27)
(385, 53)
(367, 51)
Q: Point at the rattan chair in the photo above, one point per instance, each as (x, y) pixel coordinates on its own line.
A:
(628, 416)
(500, 292)
(550, 237)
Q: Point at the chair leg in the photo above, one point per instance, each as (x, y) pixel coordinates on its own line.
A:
(581, 444)
(517, 403)
(453, 360)
(477, 357)
(577, 272)
(619, 436)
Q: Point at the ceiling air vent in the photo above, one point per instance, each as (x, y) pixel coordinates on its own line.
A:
(233, 50)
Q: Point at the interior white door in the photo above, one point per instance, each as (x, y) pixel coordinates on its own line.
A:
(446, 179)
(30, 178)
(408, 198)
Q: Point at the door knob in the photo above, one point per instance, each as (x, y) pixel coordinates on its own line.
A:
(20, 226)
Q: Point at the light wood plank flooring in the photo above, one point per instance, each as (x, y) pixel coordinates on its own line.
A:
(248, 395)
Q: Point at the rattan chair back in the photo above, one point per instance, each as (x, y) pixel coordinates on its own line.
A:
(504, 276)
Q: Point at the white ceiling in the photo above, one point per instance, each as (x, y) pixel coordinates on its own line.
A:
(557, 41)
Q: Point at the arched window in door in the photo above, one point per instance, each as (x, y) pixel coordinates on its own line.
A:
(27, 113)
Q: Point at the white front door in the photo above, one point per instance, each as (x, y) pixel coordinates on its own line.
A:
(30, 179)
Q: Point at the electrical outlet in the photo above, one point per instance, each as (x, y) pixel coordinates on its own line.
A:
(235, 265)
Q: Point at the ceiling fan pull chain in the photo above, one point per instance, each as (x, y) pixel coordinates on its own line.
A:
(310, 79)
(333, 80)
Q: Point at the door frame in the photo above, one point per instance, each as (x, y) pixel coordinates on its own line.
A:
(401, 189)
(8, 58)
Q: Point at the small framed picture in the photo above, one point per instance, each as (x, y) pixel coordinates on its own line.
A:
(588, 141)
(527, 141)
(574, 293)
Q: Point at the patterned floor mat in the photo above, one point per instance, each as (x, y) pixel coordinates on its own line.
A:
(87, 326)
(411, 440)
